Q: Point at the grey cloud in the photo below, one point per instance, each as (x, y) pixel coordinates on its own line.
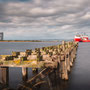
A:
(50, 17)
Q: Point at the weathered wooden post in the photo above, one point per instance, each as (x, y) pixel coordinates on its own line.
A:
(28, 52)
(24, 73)
(15, 54)
(63, 45)
(4, 76)
(68, 60)
(35, 55)
(75, 49)
(64, 72)
(70, 57)
(35, 70)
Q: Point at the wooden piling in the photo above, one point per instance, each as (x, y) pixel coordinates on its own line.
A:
(68, 61)
(64, 72)
(24, 73)
(57, 59)
(63, 45)
(4, 79)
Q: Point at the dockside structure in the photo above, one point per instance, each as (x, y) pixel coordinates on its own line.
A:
(58, 58)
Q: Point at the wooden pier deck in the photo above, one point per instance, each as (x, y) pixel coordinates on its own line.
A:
(58, 59)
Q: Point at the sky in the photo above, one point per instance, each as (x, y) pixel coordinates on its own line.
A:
(44, 19)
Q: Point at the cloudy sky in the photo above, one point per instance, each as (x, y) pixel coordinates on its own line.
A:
(44, 19)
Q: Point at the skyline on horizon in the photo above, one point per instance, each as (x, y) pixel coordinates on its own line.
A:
(43, 19)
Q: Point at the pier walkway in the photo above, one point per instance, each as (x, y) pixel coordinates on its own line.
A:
(80, 75)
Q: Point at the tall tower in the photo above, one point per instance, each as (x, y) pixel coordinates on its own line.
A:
(1, 35)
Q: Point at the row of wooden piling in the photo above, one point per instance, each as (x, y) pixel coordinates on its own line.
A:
(48, 55)
(59, 58)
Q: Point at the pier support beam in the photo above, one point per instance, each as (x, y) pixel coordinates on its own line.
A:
(68, 62)
(24, 73)
(4, 75)
(64, 71)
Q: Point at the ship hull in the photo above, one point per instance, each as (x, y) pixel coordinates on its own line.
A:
(85, 40)
(77, 39)
(80, 40)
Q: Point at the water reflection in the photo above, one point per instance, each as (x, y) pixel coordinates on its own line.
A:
(12, 77)
(6, 48)
(55, 82)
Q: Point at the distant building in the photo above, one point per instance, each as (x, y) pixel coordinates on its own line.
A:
(1, 35)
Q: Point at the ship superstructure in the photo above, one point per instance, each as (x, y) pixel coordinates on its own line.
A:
(81, 38)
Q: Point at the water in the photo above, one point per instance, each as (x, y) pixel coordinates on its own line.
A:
(15, 76)
(7, 47)
(79, 77)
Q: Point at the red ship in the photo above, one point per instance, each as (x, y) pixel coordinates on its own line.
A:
(81, 38)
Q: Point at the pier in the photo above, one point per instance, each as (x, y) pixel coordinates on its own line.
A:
(58, 59)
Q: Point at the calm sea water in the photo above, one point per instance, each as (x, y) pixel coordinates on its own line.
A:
(80, 74)
(79, 77)
(8, 47)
